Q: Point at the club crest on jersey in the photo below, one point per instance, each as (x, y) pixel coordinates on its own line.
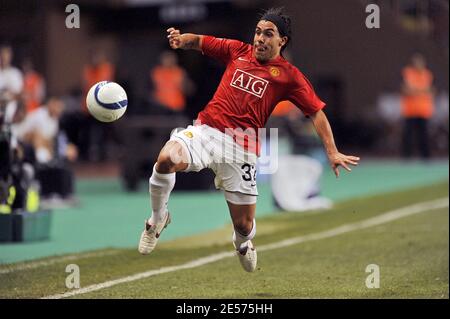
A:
(274, 71)
(249, 83)
(188, 134)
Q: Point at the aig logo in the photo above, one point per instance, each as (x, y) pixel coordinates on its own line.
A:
(249, 83)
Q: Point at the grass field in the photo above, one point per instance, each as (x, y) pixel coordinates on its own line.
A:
(328, 261)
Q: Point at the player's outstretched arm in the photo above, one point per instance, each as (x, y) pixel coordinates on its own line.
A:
(325, 133)
(185, 41)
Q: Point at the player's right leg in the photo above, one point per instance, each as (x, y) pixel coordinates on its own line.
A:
(172, 158)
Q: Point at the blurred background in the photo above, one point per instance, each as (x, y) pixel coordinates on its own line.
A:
(64, 173)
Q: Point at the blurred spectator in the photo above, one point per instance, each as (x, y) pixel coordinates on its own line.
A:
(40, 128)
(11, 83)
(34, 86)
(288, 109)
(417, 105)
(284, 117)
(92, 133)
(170, 84)
(98, 69)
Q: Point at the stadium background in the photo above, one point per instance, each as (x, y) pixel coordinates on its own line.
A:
(351, 67)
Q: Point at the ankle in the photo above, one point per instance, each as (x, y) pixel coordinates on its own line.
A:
(158, 217)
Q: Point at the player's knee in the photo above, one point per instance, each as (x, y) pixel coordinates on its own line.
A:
(164, 164)
(244, 226)
(171, 159)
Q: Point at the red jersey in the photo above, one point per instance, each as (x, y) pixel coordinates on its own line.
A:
(249, 90)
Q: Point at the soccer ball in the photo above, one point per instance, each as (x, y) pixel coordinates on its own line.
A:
(106, 101)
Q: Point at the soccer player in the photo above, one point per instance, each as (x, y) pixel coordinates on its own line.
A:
(224, 137)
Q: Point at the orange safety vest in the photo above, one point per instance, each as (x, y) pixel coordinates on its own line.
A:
(33, 86)
(168, 89)
(417, 105)
(93, 74)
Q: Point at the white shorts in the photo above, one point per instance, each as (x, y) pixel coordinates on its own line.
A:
(235, 169)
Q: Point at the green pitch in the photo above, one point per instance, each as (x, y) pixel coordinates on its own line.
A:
(411, 253)
(120, 215)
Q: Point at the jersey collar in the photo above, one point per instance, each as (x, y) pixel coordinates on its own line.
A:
(278, 59)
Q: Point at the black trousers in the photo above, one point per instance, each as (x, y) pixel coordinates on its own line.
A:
(88, 134)
(56, 179)
(415, 131)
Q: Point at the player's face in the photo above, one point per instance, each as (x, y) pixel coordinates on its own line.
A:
(267, 42)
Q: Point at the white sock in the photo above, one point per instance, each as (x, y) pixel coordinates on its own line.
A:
(160, 186)
(241, 241)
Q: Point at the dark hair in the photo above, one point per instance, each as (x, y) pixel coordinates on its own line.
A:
(5, 45)
(281, 20)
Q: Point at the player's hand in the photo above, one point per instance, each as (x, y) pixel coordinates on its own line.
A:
(174, 38)
(338, 159)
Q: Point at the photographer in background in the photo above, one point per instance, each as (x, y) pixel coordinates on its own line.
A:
(11, 85)
(40, 128)
(52, 151)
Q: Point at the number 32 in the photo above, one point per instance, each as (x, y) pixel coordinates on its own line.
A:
(249, 173)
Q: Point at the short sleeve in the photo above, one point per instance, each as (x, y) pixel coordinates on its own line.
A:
(222, 49)
(302, 94)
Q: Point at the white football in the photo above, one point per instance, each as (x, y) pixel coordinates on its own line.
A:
(107, 101)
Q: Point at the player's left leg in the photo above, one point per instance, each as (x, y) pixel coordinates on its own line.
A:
(242, 210)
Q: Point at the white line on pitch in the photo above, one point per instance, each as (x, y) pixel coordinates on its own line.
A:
(374, 221)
